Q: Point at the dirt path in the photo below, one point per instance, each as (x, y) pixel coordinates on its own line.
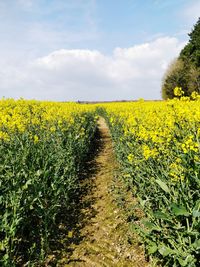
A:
(102, 232)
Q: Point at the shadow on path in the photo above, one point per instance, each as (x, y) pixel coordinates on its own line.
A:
(72, 222)
(96, 235)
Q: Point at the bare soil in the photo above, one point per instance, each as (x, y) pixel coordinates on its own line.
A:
(100, 237)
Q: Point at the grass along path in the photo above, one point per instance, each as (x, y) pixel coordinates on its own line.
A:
(100, 238)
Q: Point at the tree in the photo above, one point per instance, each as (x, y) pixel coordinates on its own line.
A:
(191, 52)
(194, 80)
(175, 76)
(184, 71)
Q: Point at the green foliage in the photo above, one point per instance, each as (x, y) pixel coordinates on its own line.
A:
(38, 181)
(170, 227)
(175, 76)
(191, 52)
(184, 72)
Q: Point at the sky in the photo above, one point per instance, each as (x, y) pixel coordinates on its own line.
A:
(92, 50)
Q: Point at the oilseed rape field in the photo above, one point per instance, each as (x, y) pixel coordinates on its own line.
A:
(158, 147)
(45, 144)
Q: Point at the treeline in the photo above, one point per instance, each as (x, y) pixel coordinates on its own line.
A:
(184, 71)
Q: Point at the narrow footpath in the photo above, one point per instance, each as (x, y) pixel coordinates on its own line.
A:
(103, 231)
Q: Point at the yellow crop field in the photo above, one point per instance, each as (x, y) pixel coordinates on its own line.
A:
(158, 147)
(43, 146)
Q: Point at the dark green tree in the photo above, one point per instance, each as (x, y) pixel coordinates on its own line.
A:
(191, 52)
(184, 72)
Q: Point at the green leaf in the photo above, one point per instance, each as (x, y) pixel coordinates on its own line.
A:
(164, 250)
(152, 248)
(197, 205)
(39, 172)
(151, 226)
(186, 261)
(196, 244)
(196, 213)
(25, 186)
(142, 201)
(179, 210)
(2, 247)
(163, 185)
(161, 215)
(196, 210)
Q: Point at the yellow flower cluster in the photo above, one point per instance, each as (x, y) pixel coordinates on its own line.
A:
(190, 145)
(160, 130)
(178, 91)
(147, 152)
(177, 171)
(158, 147)
(23, 115)
(43, 146)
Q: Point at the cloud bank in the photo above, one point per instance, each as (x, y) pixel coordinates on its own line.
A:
(71, 75)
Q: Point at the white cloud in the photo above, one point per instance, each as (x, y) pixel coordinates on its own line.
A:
(129, 73)
(36, 27)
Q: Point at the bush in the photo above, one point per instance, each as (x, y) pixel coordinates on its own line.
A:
(177, 75)
(184, 71)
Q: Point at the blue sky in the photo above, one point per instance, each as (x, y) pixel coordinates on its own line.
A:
(90, 49)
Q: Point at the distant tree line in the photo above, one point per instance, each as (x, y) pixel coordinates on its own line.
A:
(184, 71)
